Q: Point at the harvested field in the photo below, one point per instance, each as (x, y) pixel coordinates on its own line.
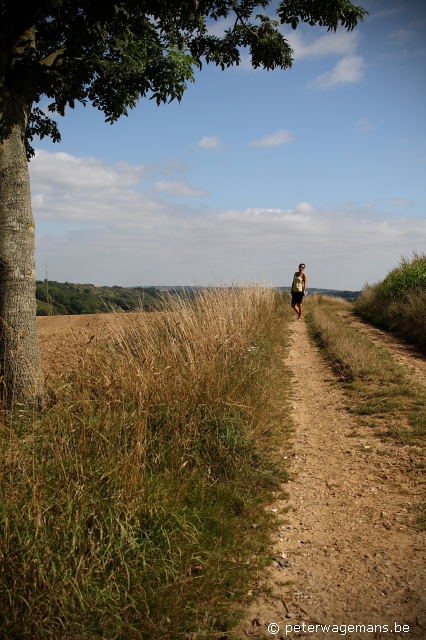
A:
(65, 337)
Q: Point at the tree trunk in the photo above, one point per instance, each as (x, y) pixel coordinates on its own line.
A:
(21, 377)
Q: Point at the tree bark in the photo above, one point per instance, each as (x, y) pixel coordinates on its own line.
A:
(21, 377)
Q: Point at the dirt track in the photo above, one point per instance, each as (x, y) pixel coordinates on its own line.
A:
(353, 552)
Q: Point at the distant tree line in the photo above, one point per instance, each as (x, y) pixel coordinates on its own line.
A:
(346, 295)
(60, 298)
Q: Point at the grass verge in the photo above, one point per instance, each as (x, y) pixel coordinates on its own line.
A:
(398, 303)
(381, 392)
(127, 506)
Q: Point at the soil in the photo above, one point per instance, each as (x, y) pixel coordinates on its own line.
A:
(349, 552)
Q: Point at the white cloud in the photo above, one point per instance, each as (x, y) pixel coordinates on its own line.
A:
(333, 43)
(385, 12)
(178, 189)
(341, 43)
(402, 202)
(246, 65)
(305, 208)
(85, 173)
(218, 27)
(68, 189)
(273, 139)
(347, 70)
(113, 233)
(400, 36)
(363, 124)
(209, 142)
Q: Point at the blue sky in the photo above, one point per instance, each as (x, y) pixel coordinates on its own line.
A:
(253, 171)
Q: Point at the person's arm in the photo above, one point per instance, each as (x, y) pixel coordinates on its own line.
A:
(305, 282)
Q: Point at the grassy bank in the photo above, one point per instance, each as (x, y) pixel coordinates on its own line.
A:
(133, 507)
(380, 392)
(398, 303)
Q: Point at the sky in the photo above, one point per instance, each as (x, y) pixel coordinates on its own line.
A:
(252, 172)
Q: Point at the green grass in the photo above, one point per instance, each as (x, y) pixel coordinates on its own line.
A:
(128, 505)
(44, 309)
(398, 303)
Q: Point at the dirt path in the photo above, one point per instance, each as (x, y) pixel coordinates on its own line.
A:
(349, 549)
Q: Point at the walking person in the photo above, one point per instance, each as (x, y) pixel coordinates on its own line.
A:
(298, 290)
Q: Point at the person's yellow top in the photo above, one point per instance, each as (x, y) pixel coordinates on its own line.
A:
(297, 283)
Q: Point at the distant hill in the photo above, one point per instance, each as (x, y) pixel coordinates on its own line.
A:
(60, 298)
(65, 298)
(347, 295)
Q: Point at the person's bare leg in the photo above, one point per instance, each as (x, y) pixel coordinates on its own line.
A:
(294, 307)
(300, 313)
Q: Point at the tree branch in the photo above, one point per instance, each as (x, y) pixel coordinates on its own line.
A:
(247, 28)
(52, 58)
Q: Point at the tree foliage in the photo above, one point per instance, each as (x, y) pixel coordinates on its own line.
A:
(114, 52)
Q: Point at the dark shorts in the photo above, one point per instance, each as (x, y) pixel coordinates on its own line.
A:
(297, 297)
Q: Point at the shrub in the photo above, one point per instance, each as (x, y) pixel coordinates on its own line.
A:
(407, 277)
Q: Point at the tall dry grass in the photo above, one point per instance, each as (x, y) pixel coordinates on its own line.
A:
(127, 506)
(352, 353)
(404, 315)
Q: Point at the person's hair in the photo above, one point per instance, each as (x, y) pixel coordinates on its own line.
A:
(302, 265)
